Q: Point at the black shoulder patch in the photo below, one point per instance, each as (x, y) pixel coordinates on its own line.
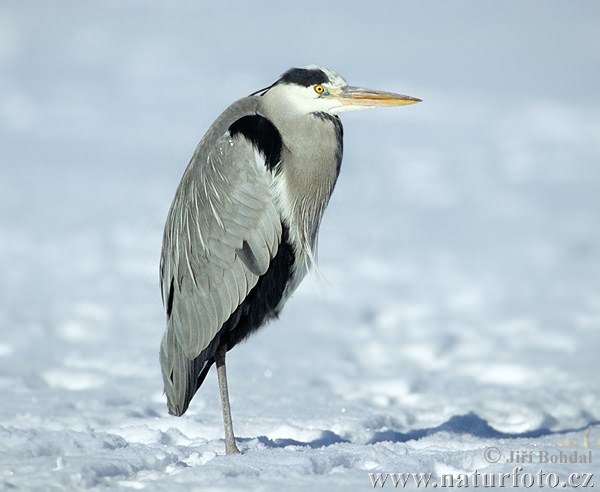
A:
(304, 76)
(264, 136)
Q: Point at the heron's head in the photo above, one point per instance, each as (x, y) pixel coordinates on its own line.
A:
(317, 89)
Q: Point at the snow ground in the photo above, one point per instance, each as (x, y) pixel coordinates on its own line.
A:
(457, 309)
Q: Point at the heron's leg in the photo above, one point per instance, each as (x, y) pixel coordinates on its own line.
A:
(230, 446)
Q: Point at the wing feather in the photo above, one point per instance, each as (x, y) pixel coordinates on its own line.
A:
(224, 200)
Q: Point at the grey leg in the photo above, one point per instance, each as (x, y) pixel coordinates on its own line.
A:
(230, 446)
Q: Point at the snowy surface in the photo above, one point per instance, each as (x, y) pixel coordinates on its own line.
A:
(457, 308)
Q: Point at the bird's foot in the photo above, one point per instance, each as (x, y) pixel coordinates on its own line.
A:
(231, 448)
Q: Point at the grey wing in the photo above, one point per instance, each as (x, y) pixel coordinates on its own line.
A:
(221, 233)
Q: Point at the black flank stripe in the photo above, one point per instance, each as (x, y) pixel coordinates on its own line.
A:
(261, 302)
(259, 306)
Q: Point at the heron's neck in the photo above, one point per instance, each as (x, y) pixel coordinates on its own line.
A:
(311, 157)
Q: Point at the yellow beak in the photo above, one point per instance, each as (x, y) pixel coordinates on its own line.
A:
(357, 96)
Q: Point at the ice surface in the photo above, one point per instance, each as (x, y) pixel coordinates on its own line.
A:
(458, 302)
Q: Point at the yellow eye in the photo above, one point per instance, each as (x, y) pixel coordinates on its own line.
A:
(319, 89)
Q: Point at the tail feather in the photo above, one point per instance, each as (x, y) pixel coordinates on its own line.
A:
(181, 376)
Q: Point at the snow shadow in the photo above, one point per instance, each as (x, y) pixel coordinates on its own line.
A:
(327, 438)
(471, 424)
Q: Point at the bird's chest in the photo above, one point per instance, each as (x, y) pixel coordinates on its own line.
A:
(310, 163)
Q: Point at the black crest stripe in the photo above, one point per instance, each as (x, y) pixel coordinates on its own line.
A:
(304, 76)
(263, 135)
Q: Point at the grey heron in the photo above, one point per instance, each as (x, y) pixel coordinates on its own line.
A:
(242, 229)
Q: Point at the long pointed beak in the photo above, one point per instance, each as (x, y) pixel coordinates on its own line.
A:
(357, 96)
